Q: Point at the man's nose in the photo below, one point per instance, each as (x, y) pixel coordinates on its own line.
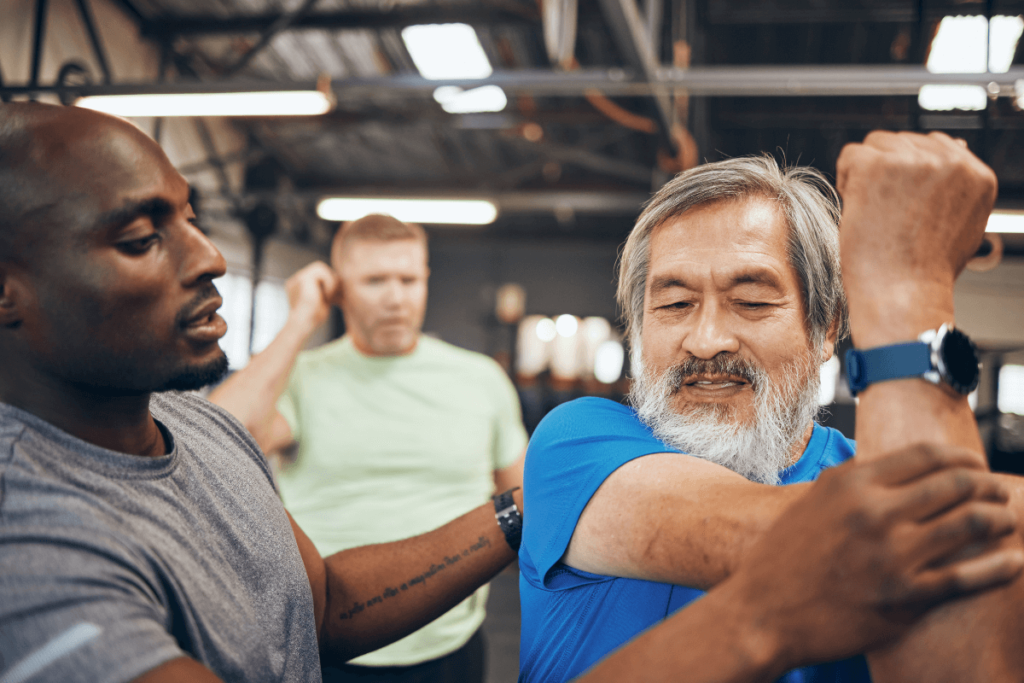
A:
(393, 294)
(200, 259)
(711, 333)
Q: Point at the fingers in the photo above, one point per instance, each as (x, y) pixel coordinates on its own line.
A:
(986, 571)
(937, 492)
(974, 524)
(919, 460)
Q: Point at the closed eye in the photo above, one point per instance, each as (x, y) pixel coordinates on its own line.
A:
(139, 246)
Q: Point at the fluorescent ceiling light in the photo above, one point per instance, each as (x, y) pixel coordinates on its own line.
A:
(446, 51)
(453, 52)
(455, 100)
(1006, 222)
(282, 103)
(960, 46)
(435, 211)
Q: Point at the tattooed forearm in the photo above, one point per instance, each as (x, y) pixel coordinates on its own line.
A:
(390, 592)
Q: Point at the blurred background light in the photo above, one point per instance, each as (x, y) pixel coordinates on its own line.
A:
(566, 325)
(455, 100)
(608, 362)
(1006, 222)
(963, 45)
(546, 329)
(452, 52)
(435, 211)
(829, 378)
(276, 103)
(1010, 397)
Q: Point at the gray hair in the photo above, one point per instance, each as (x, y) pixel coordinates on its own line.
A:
(809, 204)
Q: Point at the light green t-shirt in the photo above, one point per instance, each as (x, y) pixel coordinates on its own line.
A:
(392, 447)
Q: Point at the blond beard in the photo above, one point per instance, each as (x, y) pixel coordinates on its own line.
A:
(758, 448)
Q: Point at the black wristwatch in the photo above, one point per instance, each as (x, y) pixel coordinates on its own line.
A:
(509, 518)
(945, 355)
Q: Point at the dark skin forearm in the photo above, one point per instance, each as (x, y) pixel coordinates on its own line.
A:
(365, 598)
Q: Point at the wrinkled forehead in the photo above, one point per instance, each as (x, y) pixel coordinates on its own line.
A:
(745, 227)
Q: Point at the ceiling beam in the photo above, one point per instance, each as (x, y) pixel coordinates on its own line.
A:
(473, 13)
(748, 81)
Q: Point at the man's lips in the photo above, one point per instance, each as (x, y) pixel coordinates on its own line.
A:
(713, 382)
(205, 314)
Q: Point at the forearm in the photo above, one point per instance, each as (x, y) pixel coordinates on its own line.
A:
(251, 393)
(380, 593)
(717, 639)
(978, 637)
(891, 415)
(674, 519)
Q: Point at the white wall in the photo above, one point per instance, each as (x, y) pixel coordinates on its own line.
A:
(990, 306)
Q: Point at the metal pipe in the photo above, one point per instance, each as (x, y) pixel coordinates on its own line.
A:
(282, 24)
(39, 35)
(750, 81)
(94, 38)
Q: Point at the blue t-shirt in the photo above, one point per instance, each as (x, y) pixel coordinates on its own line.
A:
(571, 619)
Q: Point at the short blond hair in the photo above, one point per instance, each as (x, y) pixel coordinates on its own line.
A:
(376, 226)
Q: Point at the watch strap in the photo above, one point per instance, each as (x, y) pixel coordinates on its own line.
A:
(868, 366)
(509, 518)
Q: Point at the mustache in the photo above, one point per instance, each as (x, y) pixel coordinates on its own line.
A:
(722, 364)
(188, 311)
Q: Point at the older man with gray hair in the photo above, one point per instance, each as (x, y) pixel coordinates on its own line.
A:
(733, 296)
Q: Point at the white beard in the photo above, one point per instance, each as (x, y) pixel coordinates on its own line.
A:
(759, 451)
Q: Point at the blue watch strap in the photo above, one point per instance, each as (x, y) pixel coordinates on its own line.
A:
(884, 363)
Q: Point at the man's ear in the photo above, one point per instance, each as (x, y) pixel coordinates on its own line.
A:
(10, 290)
(828, 349)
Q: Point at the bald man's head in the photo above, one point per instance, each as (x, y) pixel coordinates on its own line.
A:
(104, 279)
(44, 171)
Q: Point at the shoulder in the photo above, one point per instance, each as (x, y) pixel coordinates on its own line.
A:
(334, 351)
(592, 417)
(438, 349)
(191, 416)
(590, 432)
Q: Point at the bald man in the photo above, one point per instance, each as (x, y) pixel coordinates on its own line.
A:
(141, 537)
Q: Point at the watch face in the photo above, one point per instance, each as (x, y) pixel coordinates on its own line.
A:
(961, 361)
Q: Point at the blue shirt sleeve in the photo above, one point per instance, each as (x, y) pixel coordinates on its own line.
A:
(573, 450)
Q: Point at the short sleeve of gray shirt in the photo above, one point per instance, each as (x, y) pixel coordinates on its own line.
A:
(112, 564)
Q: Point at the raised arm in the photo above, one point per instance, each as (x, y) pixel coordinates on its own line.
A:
(675, 519)
(251, 393)
(915, 209)
(365, 598)
(849, 566)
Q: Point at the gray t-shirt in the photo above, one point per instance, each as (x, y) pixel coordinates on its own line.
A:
(111, 564)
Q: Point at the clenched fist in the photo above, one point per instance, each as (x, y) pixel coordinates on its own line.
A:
(915, 208)
(311, 292)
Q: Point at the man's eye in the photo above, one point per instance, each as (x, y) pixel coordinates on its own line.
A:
(679, 304)
(753, 305)
(139, 246)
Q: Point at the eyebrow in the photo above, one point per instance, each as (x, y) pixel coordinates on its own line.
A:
(756, 277)
(154, 207)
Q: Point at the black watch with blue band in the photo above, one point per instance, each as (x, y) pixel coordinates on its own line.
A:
(945, 355)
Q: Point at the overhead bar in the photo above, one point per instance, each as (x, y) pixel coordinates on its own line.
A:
(749, 81)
